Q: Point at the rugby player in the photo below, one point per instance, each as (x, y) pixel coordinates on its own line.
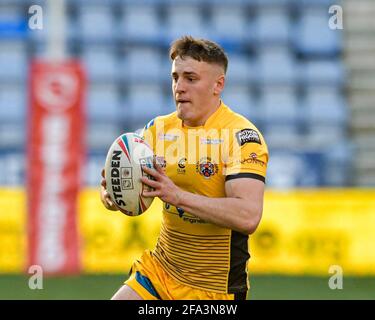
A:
(211, 202)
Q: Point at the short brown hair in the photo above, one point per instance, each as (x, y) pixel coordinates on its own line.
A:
(200, 50)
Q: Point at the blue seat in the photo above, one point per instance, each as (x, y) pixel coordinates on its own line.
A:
(14, 162)
(101, 63)
(326, 115)
(240, 100)
(13, 61)
(136, 15)
(13, 24)
(326, 105)
(12, 135)
(322, 72)
(317, 3)
(314, 37)
(12, 104)
(263, 3)
(142, 64)
(276, 65)
(93, 167)
(228, 23)
(103, 102)
(96, 22)
(184, 19)
(279, 105)
(100, 135)
(272, 25)
(144, 102)
(290, 169)
(240, 69)
(338, 169)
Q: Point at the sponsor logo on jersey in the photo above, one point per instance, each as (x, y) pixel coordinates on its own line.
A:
(186, 217)
(247, 136)
(253, 159)
(206, 167)
(211, 141)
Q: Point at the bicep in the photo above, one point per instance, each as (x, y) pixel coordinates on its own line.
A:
(248, 189)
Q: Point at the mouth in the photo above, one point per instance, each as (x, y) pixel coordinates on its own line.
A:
(180, 101)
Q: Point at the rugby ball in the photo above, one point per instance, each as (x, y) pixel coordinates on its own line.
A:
(123, 170)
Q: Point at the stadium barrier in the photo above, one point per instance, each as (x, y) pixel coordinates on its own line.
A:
(301, 232)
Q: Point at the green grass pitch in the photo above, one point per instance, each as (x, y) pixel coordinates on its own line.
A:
(87, 287)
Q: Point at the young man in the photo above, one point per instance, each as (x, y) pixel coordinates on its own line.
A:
(212, 199)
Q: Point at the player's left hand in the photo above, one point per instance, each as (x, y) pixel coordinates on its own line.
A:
(163, 186)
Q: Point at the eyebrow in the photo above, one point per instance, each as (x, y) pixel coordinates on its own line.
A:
(186, 73)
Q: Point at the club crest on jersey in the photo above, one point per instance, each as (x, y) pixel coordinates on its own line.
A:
(247, 136)
(206, 167)
(181, 166)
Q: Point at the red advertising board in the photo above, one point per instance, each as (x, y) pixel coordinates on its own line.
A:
(55, 153)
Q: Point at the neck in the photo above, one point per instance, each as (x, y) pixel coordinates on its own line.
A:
(202, 121)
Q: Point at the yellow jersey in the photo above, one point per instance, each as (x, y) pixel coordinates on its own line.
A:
(200, 160)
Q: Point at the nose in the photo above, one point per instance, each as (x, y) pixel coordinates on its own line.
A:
(179, 86)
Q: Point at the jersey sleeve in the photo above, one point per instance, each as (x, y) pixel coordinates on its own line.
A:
(148, 134)
(249, 155)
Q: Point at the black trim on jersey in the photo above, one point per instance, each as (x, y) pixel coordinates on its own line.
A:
(245, 175)
(239, 254)
(240, 295)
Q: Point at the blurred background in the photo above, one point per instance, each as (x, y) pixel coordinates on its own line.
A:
(308, 86)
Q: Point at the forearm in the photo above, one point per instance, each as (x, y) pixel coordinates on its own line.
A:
(233, 213)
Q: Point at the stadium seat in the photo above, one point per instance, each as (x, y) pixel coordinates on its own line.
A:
(144, 102)
(279, 105)
(142, 64)
(276, 65)
(338, 169)
(263, 3)
(14, 162)
(13, 24)
(313, 36)
(100, 136)
(13, 61)
(322, 72)
(93, 167)
(12, 104)
(228, 24)
(12, 135)
(239, 99)
(317, 3)
(96, 22)
(101, 63)
(240, 69)
(325, 105)
(182, 19)
(103, 102)
(290, 169)
(327, 116)
(272, 25)
(140, 22)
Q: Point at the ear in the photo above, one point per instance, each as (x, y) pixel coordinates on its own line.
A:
(219, 85)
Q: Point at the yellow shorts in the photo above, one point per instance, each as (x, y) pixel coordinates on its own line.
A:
(151, 282)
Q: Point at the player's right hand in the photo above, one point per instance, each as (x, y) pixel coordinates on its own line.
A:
(104, 195)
